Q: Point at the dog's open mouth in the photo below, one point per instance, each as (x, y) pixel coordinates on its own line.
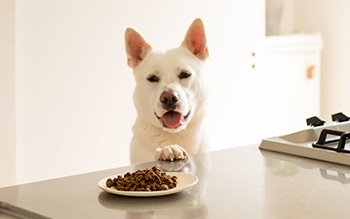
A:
(172, 119)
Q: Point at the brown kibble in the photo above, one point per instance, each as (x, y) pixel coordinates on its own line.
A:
(163, 187)
(110, 182)
(153, 188)
(152, 179)
(168, 181)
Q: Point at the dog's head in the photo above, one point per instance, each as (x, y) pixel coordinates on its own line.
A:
(169, 84)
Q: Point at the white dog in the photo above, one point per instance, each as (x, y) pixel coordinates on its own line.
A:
(169, 97)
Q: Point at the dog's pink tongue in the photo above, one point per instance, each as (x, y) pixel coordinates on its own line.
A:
(172, 119)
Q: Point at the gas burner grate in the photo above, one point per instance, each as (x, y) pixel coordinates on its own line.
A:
(329, 143)
(337, 144)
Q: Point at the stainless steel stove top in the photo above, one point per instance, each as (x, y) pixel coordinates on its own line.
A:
(326, 143)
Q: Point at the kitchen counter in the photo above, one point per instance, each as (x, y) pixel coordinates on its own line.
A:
(242, 182)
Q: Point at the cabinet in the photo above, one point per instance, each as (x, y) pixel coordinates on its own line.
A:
(291, 71)
(277, 90)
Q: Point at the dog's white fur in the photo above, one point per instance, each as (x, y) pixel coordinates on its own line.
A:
(152, 138)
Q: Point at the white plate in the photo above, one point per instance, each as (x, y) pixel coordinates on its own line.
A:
(185, 181)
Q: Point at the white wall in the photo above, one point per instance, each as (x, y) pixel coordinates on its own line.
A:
(74, 90)
(7, 93)
(331, 18)
(74, 107)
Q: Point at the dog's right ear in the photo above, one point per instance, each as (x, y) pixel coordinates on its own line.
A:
(136, 47)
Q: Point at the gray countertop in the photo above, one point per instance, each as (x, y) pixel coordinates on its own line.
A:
(242, 182)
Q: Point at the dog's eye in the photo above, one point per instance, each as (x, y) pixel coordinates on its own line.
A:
(184, 74)
(153, 78)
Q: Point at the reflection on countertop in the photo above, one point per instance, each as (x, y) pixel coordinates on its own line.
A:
(310, 186)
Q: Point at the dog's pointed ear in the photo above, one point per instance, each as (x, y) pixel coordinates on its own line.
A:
(195, 40)
(136, 47)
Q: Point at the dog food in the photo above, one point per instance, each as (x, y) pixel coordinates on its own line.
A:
(143, 180)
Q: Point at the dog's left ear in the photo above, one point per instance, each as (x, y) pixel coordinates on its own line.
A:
(195, 40)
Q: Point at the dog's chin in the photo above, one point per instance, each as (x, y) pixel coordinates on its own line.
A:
(174, 130)
(173, 121)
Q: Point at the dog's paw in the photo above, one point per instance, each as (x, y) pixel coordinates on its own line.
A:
(171, 153)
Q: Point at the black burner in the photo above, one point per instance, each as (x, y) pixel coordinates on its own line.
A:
(331, 144)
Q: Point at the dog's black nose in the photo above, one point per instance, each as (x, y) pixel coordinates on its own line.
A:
(169, 99)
